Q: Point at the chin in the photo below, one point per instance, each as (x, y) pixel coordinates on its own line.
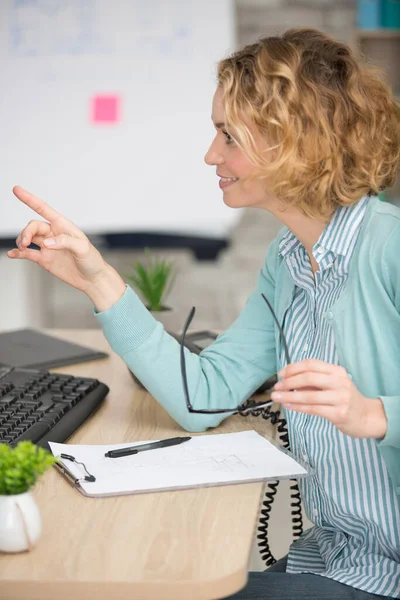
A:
(235, 201)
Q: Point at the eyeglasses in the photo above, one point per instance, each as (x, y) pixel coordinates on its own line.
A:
(245, 408)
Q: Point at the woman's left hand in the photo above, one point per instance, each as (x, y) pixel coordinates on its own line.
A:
(318, 388)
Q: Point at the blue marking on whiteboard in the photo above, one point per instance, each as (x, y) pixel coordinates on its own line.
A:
(54, 28)
(163, 31)
(181, 33)
(48, 28)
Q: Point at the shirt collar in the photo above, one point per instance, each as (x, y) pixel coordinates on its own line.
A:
(288, 243)
(337, 235)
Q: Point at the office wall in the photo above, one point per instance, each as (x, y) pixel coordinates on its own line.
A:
(46, 301)
(24, 294)
(257, 18)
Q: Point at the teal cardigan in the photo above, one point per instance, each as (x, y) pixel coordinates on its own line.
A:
(365, 319)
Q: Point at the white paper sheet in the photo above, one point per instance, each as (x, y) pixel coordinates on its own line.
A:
(204, 460)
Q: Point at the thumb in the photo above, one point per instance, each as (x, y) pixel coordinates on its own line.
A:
(79, 247)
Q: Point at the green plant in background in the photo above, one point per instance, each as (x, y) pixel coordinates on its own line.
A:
(21, 467)
(153, 280)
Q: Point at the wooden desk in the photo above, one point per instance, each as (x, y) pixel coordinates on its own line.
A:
(171, 545)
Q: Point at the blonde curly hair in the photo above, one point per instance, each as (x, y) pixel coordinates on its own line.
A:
(330, 121)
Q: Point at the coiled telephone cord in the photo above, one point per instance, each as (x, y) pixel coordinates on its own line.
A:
(272, 488)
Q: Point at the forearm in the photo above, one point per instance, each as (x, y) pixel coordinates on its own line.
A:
(107, 289)
(226, 373)
(230, 370)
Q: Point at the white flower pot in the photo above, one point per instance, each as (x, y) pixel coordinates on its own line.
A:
(20, 523)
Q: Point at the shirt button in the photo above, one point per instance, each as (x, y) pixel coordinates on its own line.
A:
(329, 315)
(320, 250)
(315, 512)
(305, 458)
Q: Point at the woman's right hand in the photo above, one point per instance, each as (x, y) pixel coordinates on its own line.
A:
(65, 251)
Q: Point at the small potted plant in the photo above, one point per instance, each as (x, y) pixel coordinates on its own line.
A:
(20, 468)
(154, 280)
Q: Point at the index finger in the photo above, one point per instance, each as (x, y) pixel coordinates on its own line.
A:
(309, 364)
(39, 206)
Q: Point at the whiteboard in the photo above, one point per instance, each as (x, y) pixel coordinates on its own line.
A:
(105, 112)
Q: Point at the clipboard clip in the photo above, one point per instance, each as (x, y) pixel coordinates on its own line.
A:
(89, 477)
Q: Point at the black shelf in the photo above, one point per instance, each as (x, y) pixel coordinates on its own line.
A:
(203, 248)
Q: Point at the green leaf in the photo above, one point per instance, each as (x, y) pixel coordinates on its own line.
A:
(153, 280)
(20, 467)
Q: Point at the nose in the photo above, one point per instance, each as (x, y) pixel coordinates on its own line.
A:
(213, 155)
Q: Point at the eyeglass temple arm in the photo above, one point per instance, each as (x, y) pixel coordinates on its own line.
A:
(282, 335)
(183, 363)
(182, 347)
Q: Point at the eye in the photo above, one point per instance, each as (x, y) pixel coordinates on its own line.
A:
(229, 138)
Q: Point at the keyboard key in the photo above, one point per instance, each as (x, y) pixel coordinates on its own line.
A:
(8, 399)
(28, 404)
(20, 429)
(46, 402)
(35, 432)
(71, 400)
(83, 388)
(4, 389)
(58, 397)
(32, 396)
(17, 419)
(56, 387)
(8, 412)
(67, 389)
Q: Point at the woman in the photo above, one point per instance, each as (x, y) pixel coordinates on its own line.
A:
(307, 133)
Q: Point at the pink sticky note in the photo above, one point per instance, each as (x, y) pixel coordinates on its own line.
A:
(106, 109)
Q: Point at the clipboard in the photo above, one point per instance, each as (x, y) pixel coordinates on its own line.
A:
(205, 460)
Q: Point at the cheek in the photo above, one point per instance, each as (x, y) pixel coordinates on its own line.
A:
(252, 188)
(242, 166)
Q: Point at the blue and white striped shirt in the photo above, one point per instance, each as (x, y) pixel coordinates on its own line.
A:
(349, 498)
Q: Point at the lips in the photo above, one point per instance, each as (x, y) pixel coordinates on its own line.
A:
(226, 182)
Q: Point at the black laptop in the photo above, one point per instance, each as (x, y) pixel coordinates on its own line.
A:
(31, 349)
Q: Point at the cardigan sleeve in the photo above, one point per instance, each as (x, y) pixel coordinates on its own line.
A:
(391, 404)
(391, 270)
(224, 375)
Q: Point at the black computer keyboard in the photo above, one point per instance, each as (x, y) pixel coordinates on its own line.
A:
(40, 406)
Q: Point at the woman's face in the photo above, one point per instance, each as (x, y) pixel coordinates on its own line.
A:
(233, 165)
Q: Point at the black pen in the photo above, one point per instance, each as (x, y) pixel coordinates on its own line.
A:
(150, 446)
